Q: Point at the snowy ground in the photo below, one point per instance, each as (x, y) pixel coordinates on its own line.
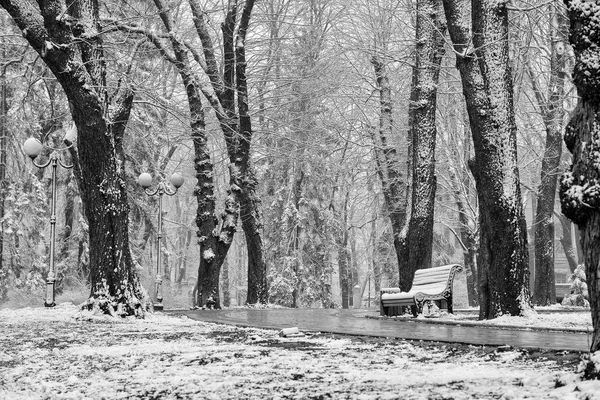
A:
(62, 353)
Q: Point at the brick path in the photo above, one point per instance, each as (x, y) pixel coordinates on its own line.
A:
(365, 323)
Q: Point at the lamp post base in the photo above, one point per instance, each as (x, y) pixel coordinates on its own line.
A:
(49, 300)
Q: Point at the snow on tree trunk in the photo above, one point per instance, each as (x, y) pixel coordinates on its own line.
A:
(3, 182)
(80, 68)
(487, 87)
(250, 202)
(552, 114)
(506, 277)
(580, 187)
(430, 33)
(387, 159)
(215, 234)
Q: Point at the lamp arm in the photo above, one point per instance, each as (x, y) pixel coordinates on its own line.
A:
(151, 192)
(169, 191)
(44, 165)
(64, 165)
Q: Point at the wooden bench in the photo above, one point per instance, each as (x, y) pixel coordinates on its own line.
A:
(429, 285)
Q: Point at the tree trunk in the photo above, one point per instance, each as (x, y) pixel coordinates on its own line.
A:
(374, 261)
(250, 202)
(214, 236)
(344, 274)
(225, 283)
(552, 114)
(3, 183)
(580, 190)
(237, 130)
(79, 66)
(487, 87)
(387, 159)
(567, 244)
(430, 33)
(467, 237)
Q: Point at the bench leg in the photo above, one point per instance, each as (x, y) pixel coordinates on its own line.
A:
(449, 302)
(419, 307)
(414, 311)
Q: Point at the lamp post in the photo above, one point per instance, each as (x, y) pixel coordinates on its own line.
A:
(145, 180)
(33, 148)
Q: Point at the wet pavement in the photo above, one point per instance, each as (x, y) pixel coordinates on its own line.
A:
(364, 322)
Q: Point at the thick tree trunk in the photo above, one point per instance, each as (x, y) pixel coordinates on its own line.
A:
(79, 66)
(487, 87)
(250, 203)
(580, 188)
(430, 33)
(387, 159)
(237, 130)
(552, 114)
(214, 236)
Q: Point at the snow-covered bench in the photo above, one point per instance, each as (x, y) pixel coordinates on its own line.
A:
(431, 284)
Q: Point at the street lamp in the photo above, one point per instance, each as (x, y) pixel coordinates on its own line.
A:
(33, 148)
(145, 180)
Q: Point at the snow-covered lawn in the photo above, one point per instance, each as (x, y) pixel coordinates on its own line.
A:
(62, 353)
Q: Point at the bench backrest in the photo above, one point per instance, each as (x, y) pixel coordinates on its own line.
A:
(435, 277)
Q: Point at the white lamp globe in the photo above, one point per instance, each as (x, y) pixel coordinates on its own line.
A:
(177, 180)
(32, 147)
(145, 180)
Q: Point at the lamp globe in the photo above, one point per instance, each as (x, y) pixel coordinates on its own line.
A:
(177, 180)
(32, 147)
(145, 180)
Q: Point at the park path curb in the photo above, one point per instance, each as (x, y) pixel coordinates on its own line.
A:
(356, 323)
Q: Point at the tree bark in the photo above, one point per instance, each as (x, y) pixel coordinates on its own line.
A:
(387, 160)
(430, 33)
(567, 244)
(225, 283)
(100, 118)
(487, 87)
(237, 130)
(580, 187)
(214, 236)
(250, 202)
(552, 114)
(3, 183)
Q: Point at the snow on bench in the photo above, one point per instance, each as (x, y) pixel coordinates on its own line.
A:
(429, 285)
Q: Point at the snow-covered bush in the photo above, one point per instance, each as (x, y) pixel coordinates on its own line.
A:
(579, 291)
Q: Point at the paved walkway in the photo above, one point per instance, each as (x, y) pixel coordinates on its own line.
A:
(364, 323)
